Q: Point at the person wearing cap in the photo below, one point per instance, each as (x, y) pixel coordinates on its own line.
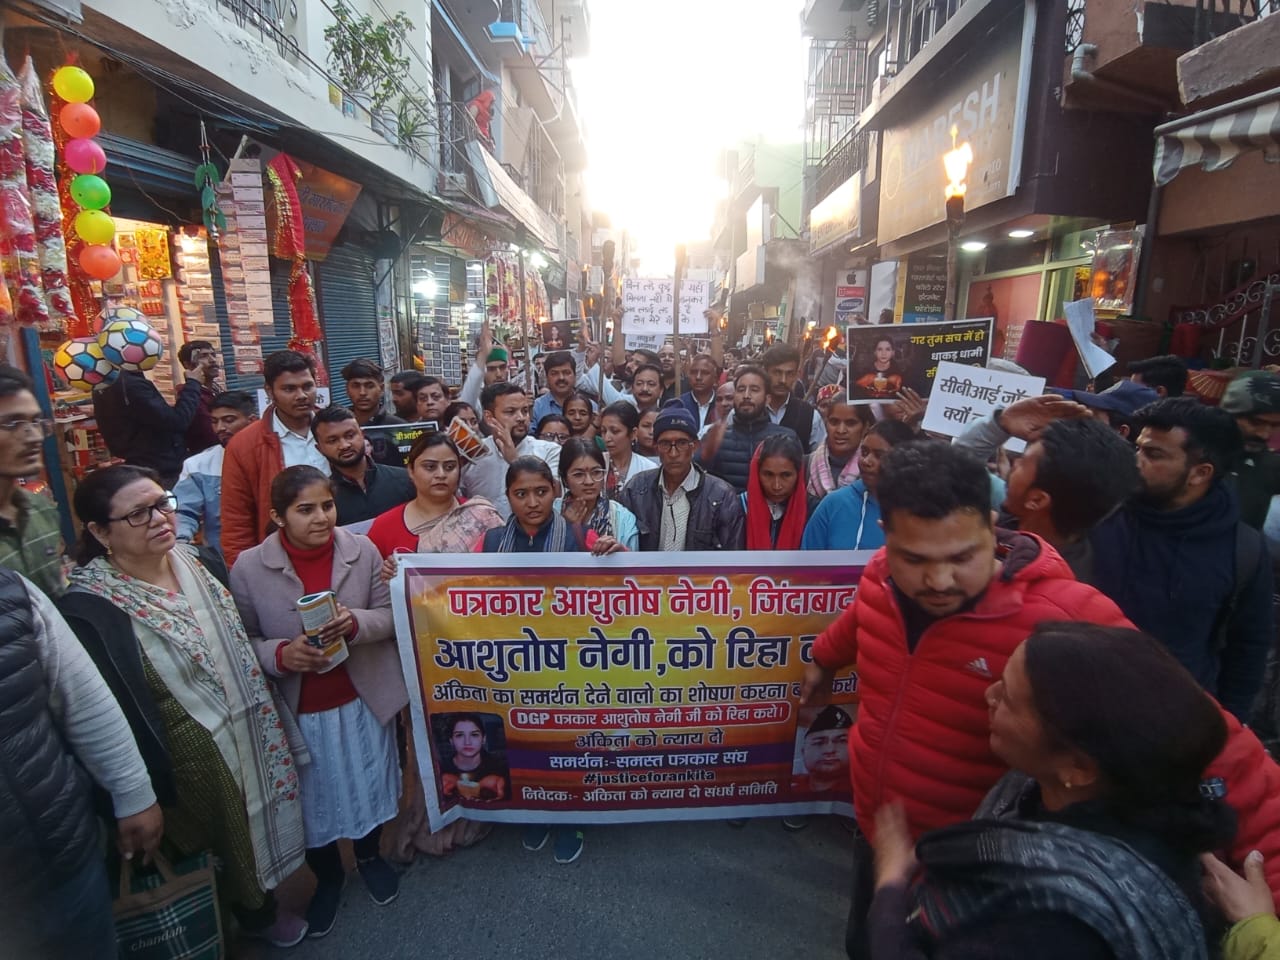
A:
(1253, 398)
(679, 506)
(1169, 558)
(495, 368)
(1166, 375)
(1116, 405)
(825, 752)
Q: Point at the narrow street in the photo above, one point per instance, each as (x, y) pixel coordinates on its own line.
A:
(670, 890)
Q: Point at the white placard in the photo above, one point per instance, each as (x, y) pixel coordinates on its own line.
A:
(642, 341)
(647, 306)
(963, 395)
(1080, 322)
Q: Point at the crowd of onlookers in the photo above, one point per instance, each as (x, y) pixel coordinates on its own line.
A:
(1066, 654)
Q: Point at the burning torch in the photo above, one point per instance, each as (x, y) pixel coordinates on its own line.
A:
(955, 162)
(828, 348)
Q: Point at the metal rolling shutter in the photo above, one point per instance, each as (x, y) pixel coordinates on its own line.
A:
(348, 312)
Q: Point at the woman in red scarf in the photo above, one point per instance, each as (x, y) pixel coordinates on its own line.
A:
(775, 501)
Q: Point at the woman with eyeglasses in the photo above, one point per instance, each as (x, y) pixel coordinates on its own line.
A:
(166, 635)
(554, 428)
(598, 523)
(618, 425)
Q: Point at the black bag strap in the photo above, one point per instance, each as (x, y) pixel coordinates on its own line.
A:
(1248, 555)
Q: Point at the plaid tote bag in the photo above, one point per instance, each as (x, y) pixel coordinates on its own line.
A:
(171, 914)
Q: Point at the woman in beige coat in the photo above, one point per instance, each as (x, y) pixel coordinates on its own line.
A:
(344, 711)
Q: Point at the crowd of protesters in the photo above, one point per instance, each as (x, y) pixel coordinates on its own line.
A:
(1066, 655)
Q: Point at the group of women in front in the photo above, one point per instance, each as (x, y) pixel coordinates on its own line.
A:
(266, 758)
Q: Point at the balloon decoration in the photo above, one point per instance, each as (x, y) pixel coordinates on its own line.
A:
(73, 85)
(94, 226)
(85, 157)
(80, 121)
(99, 261)
(81, 363)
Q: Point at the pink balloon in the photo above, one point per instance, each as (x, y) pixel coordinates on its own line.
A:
(85, 156)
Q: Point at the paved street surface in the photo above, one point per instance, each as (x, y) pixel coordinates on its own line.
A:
(676, 890)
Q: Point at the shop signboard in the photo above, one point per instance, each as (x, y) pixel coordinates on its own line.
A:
(326, 200)
(923, 289)
(985, 98)
(836, 219)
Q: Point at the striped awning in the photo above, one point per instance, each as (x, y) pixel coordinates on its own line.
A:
(1213, 138)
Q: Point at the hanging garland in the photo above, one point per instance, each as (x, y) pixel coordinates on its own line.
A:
(18, 257)
(42, 186)
(289, 243)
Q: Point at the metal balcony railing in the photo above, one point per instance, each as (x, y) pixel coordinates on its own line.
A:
(527, 15)
(845, 159)
(272, 20)
(912, 25)
(837, 92)
(1213, 18)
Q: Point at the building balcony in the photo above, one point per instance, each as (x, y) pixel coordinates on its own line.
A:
(530, 51)
(567, 132)
(846, 158)
(829, 19)
(1111, 48)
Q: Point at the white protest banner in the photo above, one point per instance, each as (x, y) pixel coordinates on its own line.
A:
(648, 306)
(963, 395)
(1080, 322)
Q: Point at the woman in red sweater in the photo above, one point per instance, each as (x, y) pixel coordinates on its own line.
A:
(344, 709)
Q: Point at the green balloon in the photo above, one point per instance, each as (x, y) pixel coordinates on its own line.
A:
(90, 191)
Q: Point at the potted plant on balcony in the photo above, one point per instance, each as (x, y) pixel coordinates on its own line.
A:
(368, 58)
(413, 121)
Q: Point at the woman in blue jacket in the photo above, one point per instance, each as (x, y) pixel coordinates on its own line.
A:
(849, 518)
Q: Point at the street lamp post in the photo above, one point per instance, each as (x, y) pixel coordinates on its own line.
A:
(956, 164)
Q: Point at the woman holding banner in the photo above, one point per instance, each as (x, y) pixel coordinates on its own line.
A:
(586, 507)
(434, 521)
(345, 710)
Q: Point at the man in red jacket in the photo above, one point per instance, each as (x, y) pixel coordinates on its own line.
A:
(939, 611)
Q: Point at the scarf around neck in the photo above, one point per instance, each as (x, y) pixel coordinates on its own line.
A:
(821, 481)
(556, 541)
(760, 518)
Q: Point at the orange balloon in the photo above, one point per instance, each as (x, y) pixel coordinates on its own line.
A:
(80, 120)
(99, 261)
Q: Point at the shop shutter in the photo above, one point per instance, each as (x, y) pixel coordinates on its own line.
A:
(277, 338)
(348, 312)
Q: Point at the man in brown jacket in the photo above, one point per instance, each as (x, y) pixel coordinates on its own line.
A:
(282, 438)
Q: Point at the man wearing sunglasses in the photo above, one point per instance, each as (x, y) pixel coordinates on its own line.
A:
(30, 539)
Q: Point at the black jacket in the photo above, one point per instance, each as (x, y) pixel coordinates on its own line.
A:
(106, 633)
(732, 461)
(138, 425)
(715, 512)
(1173, 572)
(46, 808)
(384, 488)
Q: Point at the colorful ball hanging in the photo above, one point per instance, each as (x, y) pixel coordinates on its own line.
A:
(85, 156)
(99, 261)
(73, 85)
(82, 364)
(90, 192)
(131, 344)
(80, 120)
(94, 226)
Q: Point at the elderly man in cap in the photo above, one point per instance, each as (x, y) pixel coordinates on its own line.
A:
(679, 506)
(1253, 398)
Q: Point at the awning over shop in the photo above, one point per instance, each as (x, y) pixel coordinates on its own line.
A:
(1213, 138)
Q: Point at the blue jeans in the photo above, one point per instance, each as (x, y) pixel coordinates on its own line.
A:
(76, 922)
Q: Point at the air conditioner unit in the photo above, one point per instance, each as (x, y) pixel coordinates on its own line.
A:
(451, 180)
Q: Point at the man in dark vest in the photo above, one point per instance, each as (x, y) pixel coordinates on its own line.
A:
(59, 727)
(727, 450)
(782, 364)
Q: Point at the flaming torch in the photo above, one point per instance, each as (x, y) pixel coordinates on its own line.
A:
(828, 346)
(955, 162)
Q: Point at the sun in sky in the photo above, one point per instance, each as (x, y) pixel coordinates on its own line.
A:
(669, 84)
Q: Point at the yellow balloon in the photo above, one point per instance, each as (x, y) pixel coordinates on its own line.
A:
(73, 85)
(94, 226)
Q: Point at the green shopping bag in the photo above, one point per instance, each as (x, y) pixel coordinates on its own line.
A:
(171, 914)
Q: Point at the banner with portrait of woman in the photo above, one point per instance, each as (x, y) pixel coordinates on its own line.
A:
(569, 688)
(887, 358)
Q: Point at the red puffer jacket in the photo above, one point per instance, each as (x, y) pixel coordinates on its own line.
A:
(922, 734)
